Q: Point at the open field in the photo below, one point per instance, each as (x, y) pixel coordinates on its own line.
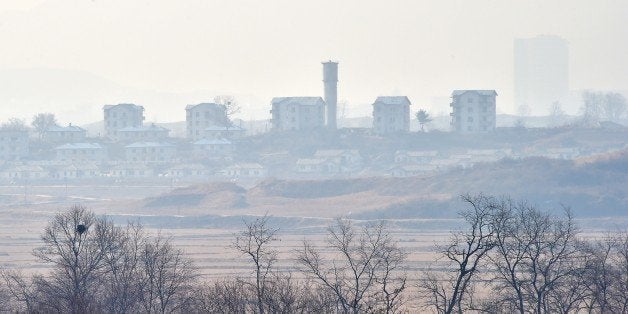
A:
(207, 236)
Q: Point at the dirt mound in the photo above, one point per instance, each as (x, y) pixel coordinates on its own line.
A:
(211, 195)
(314, 188)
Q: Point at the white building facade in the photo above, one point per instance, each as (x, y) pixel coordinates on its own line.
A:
(473, 111)
(391, 114)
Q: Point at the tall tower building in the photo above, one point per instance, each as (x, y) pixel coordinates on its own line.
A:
(330, 79)
(541, 69)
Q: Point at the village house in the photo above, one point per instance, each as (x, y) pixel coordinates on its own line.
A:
(129, 170)
(391, 114)
(473, 110)
(150, 152)
(212, 148)
(403, 171)
(316, 165)
(331, 161)
(80, 152)
(67, 134)
(149, 133)
(245, 171)
(122, 116)
(297, 113)
(202, 116)
(13, 172)
(186, 171)
(13, 144)
(415, 157)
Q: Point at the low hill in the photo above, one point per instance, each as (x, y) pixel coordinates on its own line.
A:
(591, 188)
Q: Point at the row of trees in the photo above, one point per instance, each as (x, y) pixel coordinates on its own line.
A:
(509, 257)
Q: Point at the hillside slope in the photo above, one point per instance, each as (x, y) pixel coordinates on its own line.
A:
(591, 188)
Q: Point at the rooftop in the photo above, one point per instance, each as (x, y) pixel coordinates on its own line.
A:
(80, 146)
(300, 100)
(148, 144)
(393, 100)
(483, 92)
(69, 128)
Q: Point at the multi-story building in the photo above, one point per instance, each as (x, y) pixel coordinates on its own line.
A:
(201, 116)
(541, 72)
(150, 152)
(473, 110)
(13, 144)
(80, 153)
(151, 133)
(122, 116)
(391, 114)
(70, 133)
(298, 113)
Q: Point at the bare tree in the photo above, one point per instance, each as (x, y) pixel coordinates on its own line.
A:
(423, 117)
(231, 107)
(75, 242)
(123, 264)
(221, 296)
(614, 106)
(591, 109)
(14, 124)
(361, 262)
(255, 242)
(556, 114)
(167, 277)
(18, 293)
(42, 121)
(468, 248)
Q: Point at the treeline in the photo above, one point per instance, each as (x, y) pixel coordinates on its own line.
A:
(509, 257)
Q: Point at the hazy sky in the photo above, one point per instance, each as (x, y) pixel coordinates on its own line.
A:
(422, 49)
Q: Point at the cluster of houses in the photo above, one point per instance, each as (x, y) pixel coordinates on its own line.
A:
(131, 148)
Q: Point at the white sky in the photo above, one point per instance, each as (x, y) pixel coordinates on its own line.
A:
(422, 49)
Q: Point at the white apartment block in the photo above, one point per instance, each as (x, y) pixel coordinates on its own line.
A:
(298, 113)
(122, 116)
(200, 117)
(391, 114)
(473, 110)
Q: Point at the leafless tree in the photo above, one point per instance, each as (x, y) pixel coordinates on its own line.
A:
(221, 296)
(231, 107)
(75, 243)
(255, 243)
(448, 292)
(591, 109)
(14, 124)
(123, 264)
(167, 277)
(364, 266)
(556, 114)
(17, 293)
(607, 274)
(42, 121)
(614, 106)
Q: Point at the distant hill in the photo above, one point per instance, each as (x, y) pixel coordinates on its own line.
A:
(591, 188)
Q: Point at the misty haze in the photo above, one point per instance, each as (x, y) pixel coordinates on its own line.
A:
(313, 157)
